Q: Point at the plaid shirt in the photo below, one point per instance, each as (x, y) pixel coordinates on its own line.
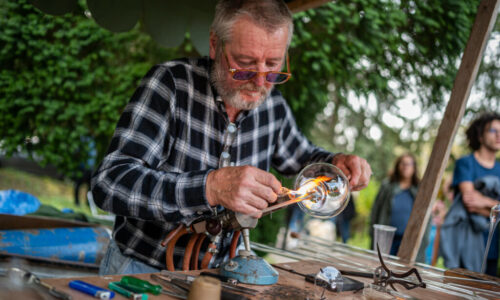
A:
(169, 137)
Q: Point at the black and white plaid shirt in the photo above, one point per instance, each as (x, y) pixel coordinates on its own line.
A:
(169, 137)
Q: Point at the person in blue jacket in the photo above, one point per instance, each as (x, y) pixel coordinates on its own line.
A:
(483, 137)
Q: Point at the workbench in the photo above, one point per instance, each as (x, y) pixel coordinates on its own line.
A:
(310, 257)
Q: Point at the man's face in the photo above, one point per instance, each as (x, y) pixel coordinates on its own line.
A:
(251, 47)
(491, 136)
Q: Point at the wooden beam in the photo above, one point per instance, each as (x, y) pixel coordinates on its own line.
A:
(471, 59)
(301, 5)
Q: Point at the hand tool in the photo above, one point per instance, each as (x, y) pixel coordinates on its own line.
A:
(140, 285)
(222, 278)
(224, 285)
(184, 281)
(179, 292)
(115, 286)
(90, 289)
(31, 278)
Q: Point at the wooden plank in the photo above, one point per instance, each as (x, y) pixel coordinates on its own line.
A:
(301, 5)
(471, 59)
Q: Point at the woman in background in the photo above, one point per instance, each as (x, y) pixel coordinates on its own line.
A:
(394, 201)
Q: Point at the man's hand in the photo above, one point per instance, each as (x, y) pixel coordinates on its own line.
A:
(474, 201)
(357, 170)
(244, 189)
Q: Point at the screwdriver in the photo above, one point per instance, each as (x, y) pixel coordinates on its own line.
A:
(140, 285)
(91, 289)
(115, 286)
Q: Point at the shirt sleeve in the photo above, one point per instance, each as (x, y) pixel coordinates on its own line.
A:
(293, 150)
(462, 172)
(129, 181)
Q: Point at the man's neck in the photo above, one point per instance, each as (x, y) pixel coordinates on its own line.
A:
(485, 157)
(232, 113)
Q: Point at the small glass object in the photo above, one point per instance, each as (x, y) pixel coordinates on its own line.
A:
(494, 218)
(323, 190)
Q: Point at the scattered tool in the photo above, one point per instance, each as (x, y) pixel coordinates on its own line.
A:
(383, 276)
(91, 289)
(117, 287)
(183, 281)
(139, 285)
(31, 278)
(222, 278)
(224, 285)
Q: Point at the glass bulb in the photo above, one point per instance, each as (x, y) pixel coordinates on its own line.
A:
(324, 190)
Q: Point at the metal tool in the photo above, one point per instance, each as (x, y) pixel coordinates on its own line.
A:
(117, 287)
(184, 281)
(31, 278)
(383, 276)
(90, 289)
(222, 278)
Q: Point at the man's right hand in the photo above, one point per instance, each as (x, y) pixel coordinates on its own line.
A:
(244, 189)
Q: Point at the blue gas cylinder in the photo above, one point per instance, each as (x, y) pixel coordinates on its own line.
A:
(79, 244)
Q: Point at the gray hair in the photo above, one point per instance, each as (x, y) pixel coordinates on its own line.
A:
(269, 14)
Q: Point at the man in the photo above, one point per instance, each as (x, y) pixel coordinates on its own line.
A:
(199, 135)
(483, 136)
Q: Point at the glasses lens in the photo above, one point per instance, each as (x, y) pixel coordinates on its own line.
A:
(276, 77)
(244, 75)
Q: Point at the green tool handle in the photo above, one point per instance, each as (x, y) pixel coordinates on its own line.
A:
(115, 286)
(142, 285)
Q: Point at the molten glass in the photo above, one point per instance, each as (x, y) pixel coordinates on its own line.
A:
(321, 190)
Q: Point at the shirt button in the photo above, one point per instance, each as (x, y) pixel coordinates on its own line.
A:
(199, 212)
(231, 128)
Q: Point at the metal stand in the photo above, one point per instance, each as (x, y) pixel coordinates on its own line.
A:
(248, 268)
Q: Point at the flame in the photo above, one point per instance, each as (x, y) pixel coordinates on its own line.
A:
(306, 191)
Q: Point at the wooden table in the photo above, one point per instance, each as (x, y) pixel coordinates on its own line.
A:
(310, 257)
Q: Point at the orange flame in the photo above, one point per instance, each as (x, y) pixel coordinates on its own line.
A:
(306, 190)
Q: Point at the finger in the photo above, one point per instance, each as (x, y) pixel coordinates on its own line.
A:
(355, 170)
(269, 180)
(265, 193)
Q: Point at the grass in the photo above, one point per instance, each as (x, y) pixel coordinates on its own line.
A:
(50, 191)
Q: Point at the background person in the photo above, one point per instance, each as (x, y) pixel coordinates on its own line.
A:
(465, 230)
(394, 202)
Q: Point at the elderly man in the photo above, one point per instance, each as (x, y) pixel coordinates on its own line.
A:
(199, 136)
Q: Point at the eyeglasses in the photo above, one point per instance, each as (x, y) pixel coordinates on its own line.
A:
(493, 131)
(270, 76)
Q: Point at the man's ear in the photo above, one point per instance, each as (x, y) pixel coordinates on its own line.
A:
(213, 45)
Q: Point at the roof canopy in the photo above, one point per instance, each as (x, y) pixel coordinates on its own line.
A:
(167, 22)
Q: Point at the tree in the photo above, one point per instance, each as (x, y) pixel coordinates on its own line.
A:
(354, 61)
(64, 81)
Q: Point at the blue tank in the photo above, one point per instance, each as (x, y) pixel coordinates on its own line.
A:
(79, 244)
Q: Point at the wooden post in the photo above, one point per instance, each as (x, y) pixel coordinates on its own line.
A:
(471, 59)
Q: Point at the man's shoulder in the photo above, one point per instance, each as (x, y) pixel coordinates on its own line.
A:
(180, 67)
(466, 160)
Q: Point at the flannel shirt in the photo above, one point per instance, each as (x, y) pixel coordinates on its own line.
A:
(167, 140)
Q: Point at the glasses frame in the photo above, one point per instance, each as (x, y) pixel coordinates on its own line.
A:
(233, 71)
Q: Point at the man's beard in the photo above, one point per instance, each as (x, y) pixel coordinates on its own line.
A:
(231, 96)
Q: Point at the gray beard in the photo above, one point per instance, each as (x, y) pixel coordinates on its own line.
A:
(231, 96)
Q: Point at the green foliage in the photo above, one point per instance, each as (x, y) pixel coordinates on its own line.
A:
(377, 52)
(64, 81)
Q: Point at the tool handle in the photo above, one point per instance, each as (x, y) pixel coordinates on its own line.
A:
(91, 289)
(136, 282)
(115, 286)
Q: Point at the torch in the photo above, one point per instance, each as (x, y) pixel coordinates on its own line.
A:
(321, 190)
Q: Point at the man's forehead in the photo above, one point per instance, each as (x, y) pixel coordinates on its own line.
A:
(246, 31)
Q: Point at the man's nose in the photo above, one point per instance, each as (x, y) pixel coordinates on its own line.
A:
(259, 79)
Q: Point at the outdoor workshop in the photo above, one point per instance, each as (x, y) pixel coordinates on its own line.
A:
(249, 149)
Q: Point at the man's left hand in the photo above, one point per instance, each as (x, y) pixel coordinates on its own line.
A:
(355, 168)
